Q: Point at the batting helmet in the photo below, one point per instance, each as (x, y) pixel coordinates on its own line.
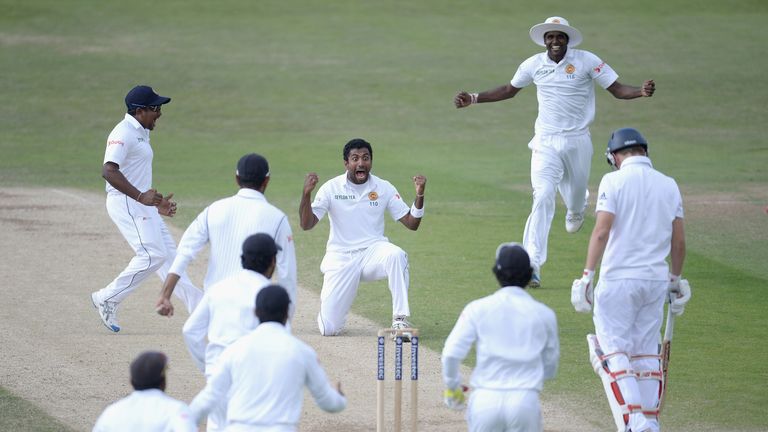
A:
(621, 139)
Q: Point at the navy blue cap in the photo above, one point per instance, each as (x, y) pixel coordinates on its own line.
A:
(143, 96)
(512, 256)
(252, 168)
(260, 245)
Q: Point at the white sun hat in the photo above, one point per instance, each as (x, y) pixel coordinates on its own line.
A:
(555, 23)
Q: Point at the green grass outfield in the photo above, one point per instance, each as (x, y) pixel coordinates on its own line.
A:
(294, 80)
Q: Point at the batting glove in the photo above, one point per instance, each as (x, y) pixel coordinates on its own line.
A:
(454, 399)
(582, 292)
(679, 294)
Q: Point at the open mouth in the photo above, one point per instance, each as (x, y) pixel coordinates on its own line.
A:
(361, 174)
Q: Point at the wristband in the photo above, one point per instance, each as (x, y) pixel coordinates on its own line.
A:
(473, 98)
(417, 212)
(588, 274)
(138, 197)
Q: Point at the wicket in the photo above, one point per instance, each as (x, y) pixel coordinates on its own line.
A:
(383, 335)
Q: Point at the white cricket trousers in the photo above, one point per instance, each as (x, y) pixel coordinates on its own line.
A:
(217, 416)
(144, 229)
(504, 411)
(342, 273)
(628, 316)
(558, 163)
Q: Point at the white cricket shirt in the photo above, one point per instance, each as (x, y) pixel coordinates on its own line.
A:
(644, 203)
(147, 411)
(128, 147)
(226, 224)
(225, 313)
(517, 342)
(262, 375)
(356, 212)
(565, 90)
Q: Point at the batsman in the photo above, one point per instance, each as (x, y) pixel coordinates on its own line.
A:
(639, 222)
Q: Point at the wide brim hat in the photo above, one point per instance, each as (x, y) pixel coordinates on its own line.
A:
(555, 23)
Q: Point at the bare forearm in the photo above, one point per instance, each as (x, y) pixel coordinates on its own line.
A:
(628, 92)
(170, 284)
(677, 254)
(307, 218)
(595, 250)
(599, 239)
(623, 91)
(114, 177)
(497, 94)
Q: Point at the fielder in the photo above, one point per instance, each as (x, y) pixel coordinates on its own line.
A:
(357, 249)
(148, 408)
(639, 222)
(226, 224)
(135, 207)
(262, 375)
(226, 312)
(517, 349)
(561, 149)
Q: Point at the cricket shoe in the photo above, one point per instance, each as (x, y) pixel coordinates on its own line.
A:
(574, 221)
(399, 323)
(535, 277)
(107, 311)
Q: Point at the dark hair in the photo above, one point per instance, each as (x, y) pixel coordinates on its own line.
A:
(513, 276)
(259, 264)
(357, 143)
(252, 184)
(272, 304)
(148, 371)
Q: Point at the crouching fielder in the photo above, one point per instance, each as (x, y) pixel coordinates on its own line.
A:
(517, 349)
(639, 222)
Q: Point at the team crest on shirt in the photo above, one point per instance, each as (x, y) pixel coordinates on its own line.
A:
(373, 196)
(570, 69)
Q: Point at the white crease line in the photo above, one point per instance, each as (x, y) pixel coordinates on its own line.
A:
(71, 195)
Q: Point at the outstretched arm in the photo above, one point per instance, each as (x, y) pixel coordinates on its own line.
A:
(623, 91)
(308, 219)
(412, 219)
(464, 99)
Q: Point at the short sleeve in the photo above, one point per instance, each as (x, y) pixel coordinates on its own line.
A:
(322, 203)
(523, 77)
(600, 71)
(396, 206)
(117, 148)
(679, 213)
(606, 197)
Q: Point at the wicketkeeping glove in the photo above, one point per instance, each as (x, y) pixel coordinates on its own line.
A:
(582, 292)
(454, 399)
(679, 294)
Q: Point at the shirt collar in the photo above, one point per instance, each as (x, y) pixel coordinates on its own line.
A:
(566, 59)
(637, 160)
(368, 185)
(514, 291)
(132, 120)
(148, 392)
(250, 193)
(272, 326)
